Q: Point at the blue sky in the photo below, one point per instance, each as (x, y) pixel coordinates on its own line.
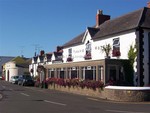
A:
(27, 26)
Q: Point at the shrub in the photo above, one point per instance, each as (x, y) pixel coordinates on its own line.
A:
(76, 82)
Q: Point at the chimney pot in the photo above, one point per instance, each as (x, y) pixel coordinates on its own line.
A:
(100, 18)
(100, 12)
(42, 52)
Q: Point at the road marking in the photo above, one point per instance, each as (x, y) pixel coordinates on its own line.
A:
(11, 89)
(1, 96)
(93, 99)
(118, 111)
(4, 87)
(25, 94)
(54, 103)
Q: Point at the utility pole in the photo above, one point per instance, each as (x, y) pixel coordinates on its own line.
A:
(37, 49)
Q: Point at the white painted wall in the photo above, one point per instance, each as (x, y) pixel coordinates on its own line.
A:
(13, 70)
(78, 51)
(126, 40)
(34, 67)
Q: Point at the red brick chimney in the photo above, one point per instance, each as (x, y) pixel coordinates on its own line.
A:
(148, 4)
(42, 52)
(100, 18)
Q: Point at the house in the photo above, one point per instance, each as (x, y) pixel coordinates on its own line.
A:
(38, 61)
(4, 59)
(16, 66)
(104, 52)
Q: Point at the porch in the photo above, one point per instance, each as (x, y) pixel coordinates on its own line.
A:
(105, 70)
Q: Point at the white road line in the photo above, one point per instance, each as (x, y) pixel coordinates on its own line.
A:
(3, 86)
(11, 89)
(1, 96)
(118, 111)
(25, 94)
(93, 99)
(57, 103)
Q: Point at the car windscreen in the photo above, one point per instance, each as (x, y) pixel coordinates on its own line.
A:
(16, 77)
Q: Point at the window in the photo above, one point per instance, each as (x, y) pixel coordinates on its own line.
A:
(116, 42)
(73, 72)
(51, 73)
(89, 73)
(70, 52)
(69, 59)
(116, 47)
(88, 51)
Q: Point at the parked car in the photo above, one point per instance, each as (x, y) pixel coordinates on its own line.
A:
(14, 79)
(2, 77)
(25, 80)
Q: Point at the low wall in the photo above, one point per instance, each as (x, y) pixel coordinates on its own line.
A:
(117, 93)
(133, 94)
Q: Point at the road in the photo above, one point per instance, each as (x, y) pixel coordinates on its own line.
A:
(19, 99)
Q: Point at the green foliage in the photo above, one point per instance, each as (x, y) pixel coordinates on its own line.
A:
(19, 60)
(128, 70)
(106, 49)
(132, 53)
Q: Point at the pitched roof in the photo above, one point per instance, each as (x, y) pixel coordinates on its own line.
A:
(132, 20)
(48, 56)
(92, 31)
(22, 62)
(41, 57)
(19, 60)
(146, 18)
(138, 18)
(74, 41)
(35, 58)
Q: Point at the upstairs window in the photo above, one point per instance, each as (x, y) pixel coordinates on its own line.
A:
(70, 52)
(88, 51)
(69, 59)
(116, 47)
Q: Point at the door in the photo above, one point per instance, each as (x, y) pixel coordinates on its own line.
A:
(8, 75)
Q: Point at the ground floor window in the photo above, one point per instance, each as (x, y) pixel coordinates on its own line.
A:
(73, 72)
(51, 73)
(100, 72)
(89, 73)
(60, 73)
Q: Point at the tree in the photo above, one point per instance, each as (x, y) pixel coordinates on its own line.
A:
(106, 49)
(132, 54)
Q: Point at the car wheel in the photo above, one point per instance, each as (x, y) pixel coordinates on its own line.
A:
(22, 84)
(19, 83)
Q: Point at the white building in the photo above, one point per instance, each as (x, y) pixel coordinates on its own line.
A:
(16, 66)
(82, 57)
